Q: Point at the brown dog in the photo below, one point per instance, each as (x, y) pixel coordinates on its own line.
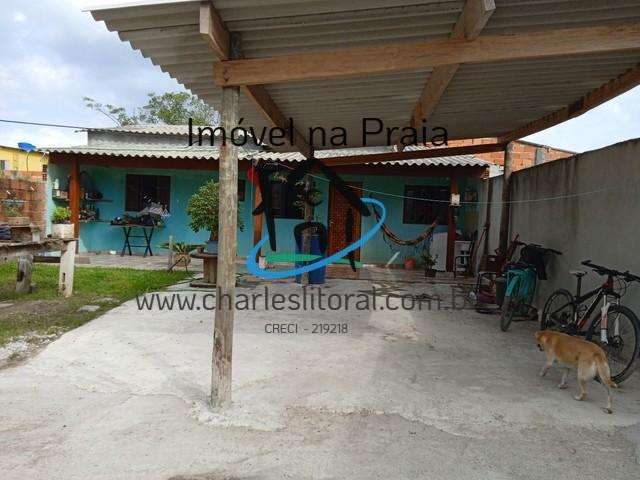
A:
(588, 358)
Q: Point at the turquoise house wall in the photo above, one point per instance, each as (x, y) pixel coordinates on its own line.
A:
(100, 236)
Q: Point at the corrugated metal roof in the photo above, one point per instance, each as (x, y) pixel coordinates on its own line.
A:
(483, 100)
(207, 153)
(140, 151)
(152, 129)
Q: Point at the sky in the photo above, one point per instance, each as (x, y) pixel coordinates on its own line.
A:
(52, 54)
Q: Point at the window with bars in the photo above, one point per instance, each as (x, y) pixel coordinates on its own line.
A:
(424, 212)
(143, 189)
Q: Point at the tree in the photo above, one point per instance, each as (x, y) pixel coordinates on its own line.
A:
(171, 108)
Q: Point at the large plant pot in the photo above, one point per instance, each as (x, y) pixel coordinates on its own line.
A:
(212, 246)
(62, 230)
(430, 272)
(410, 264)
(317, 276)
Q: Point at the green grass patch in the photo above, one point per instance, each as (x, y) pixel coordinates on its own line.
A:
(44, 311)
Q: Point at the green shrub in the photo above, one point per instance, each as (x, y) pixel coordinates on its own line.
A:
(203, 209)
(61, 215)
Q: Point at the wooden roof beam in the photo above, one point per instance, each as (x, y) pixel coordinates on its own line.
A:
(218, 37)
(388, 58)
(606, 92)
(214, 32)
(413, 154)
(475, 15)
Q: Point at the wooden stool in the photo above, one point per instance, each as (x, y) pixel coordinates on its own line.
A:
(209, 267)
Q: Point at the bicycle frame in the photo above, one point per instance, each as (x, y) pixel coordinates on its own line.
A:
(525, 279)
(603, 292)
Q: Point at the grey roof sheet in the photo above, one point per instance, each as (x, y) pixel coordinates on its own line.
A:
(203, 153)
(484, 100)
(153, 129)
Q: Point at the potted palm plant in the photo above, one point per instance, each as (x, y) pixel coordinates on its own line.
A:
(61, 226)
(181, 251)
(203, 209)
(429, 262)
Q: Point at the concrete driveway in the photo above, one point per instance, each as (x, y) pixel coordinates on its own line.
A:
(402, 394)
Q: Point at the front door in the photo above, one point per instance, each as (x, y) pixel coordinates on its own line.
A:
(338, 213)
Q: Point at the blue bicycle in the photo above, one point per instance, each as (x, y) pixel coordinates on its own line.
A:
(522, 277)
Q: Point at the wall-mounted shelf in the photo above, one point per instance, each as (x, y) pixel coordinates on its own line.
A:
(92, 200)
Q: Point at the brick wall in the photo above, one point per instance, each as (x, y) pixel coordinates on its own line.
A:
(524, 153)
(32, 191)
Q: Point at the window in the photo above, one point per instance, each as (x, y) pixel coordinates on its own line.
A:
(283, 195)
(423, 212)
(144, 189)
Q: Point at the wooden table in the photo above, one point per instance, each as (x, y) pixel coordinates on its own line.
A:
(25, 251)
(146, 234)
(209, 267)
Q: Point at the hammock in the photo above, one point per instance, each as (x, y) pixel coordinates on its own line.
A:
(395, 239)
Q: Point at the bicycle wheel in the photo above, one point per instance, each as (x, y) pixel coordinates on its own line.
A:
(623, 340)
(558, 310)
(509, 307)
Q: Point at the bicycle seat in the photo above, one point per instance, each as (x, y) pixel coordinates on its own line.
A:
(578, 273)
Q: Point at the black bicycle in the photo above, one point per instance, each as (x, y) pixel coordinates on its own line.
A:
(616, 329)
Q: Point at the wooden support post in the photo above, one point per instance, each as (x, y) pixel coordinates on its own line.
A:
(74, 197)
(487, 221)
(257, 219)
(66, 270)
(306, 235)
(170, 256)
(451, 227)
(228, 223)
(23, 279)
(506, 191)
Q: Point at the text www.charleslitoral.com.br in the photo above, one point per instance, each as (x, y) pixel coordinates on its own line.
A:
(315, 299)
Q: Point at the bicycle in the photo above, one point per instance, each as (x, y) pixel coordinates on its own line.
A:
(484, 293)
(522, 279)
(619, 326)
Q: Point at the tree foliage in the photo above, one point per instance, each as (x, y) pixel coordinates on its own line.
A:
(203, 209)
(170, 108)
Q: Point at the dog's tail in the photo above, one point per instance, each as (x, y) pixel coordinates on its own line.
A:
(604, 372)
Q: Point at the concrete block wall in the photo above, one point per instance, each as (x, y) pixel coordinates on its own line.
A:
(587, 206)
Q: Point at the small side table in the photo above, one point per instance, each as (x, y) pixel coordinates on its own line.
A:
(209, 267)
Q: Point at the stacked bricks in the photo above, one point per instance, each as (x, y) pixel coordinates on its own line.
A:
(32, 191)
(524, 153)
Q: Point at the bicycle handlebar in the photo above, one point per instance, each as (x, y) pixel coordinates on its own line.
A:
(629, 277)
(538, 247)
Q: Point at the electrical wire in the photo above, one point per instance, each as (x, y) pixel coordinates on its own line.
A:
(377, 192)
(433, 200)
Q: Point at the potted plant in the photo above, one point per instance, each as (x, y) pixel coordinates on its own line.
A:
(429, 262)
(203, 209)
(181, 251)
(409, 263)
(61, 223)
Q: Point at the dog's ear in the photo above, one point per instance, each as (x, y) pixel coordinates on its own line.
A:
(538, 334)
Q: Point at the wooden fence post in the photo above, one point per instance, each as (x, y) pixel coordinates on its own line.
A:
(23, 280)
(506, 191)
(67, 269)
(74, 197)
(226, 278)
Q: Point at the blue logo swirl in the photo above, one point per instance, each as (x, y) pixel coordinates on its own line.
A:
(254, 269)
